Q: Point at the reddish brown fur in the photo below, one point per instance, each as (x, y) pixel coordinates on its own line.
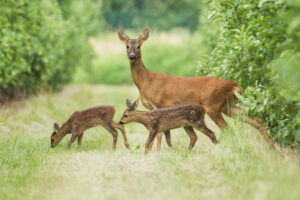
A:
(185, 115)
(159, 90)
(82, 120)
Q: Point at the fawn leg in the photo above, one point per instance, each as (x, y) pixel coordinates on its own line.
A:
(200, 125)
(149, 141)
(122, 129)
(114, 133)
(159, 137)
(168, 138)
(193, 137)
(80, 140)
(72, 139)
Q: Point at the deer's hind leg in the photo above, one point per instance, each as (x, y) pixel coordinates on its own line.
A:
(122, 129)
(201, 126)
(235, 111)
(114, 133)
(193, 137)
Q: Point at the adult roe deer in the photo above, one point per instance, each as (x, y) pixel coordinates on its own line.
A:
(82, 120)
(159, 90)
(165, 119)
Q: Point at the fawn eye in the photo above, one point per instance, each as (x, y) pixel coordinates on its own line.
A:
(127, 46)
(125, 115)
(138, 47)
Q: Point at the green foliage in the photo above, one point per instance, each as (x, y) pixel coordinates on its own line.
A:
(155, 14)
(42, 41)
(249, 45)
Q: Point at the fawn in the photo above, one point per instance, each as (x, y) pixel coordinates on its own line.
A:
(165, 119)
(82, 120)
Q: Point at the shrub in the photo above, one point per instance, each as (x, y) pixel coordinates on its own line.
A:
(248, 48)
(41, 43)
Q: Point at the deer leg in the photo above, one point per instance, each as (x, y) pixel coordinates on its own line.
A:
(200, 125)
(122, 129)
(168, 138)
(159, 137)
(193, 137)
(80, 140)
(149, 141)
(114, 133)
(218, 119)
(72, 139)
(234, 112)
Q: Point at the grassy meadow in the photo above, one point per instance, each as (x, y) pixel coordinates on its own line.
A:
(240, 167)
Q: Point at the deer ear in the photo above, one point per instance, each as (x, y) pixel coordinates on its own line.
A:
(122, 36)
(128, 103)
(56, 127)
(144, 35)
(135, 104)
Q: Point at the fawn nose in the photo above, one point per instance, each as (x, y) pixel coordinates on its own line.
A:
(120, 122)
(132, 57)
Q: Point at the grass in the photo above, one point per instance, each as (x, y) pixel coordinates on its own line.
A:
(240, 167)
(111, 65)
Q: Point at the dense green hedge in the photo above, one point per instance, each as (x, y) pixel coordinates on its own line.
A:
(42, 41)
(258, 45)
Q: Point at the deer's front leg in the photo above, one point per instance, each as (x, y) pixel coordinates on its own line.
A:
(72, 139)
(159, 137)
(80, 140)
(150, 140)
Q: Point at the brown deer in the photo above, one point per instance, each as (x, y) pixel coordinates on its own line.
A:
(164, 119)
(159, 90)
(82, 120)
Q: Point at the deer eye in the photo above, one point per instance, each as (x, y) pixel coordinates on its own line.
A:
(127, 46)
(125, 115)
(138, 47)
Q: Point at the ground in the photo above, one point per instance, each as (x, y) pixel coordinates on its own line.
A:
(240, 167)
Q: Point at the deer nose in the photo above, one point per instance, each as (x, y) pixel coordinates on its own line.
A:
(120, 122)
(132, 57)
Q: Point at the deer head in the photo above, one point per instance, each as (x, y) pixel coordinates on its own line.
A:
(129, 114)
(133, 46)
(55, 136)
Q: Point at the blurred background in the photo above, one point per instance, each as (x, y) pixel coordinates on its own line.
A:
(45, 44)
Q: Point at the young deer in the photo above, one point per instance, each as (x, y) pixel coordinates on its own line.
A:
(165, 119)
(82, 120)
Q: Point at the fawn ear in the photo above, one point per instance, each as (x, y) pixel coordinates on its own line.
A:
(128, 103)
(143, 36)
(56, 127)
(135, 104)
(122, 36)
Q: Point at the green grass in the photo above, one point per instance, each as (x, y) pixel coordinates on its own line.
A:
(240, 167)
(170, 53)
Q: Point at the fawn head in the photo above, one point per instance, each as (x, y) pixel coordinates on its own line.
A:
(55, 135)
(129, 113)
(133, 46)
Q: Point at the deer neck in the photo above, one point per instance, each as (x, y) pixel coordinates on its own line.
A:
(140, 74)
(64, 129)
(142, 118)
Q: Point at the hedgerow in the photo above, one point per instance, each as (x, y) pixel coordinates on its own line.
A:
(258, 46)
(41, 43)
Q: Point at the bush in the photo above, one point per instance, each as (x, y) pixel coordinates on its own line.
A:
(249, 47)
(41, 43)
